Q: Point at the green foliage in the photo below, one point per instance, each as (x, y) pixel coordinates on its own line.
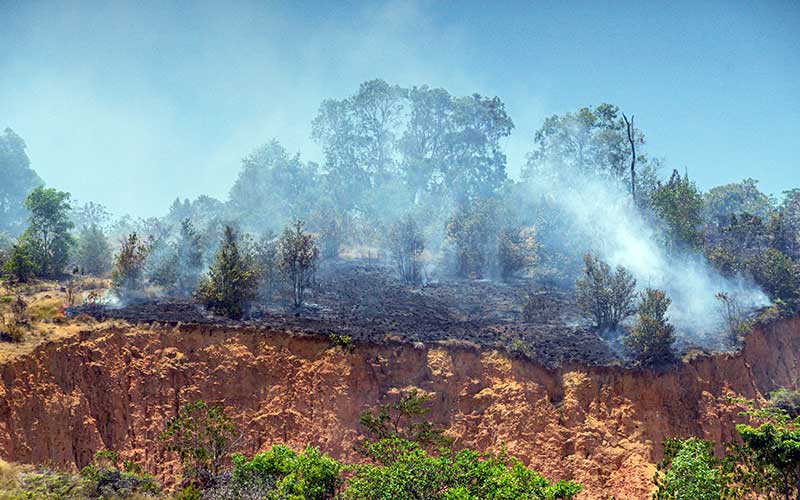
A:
(297, 259)
(343, 341)
(777, 275)
(736, 198)
(127, 276)
(406, 244)
(605, 297)
(404, 419)
(48, 229)
(273, 188)
(189, 257)
(689, 471)
(94, 252)
(473, 231)
(18, 180)
(232, 280)
(592, 140)
(786, 400)
(516, 251)
(189, 492)
(266, 261)
(679, 204)
(21, 266)
(651, 338)
(103, 479)
(285, 474)
(202, 436)
(465, 475)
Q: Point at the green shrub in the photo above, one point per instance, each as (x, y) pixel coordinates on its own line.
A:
(605, 297)
(689, 471)
(787, 400)
(232, 281)
(651, 339)
(464, 475)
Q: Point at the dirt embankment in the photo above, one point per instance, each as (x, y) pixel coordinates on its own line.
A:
(114, 386)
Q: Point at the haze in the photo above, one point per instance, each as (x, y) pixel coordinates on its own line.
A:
(130, 103)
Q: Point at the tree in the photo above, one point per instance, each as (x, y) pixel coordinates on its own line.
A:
(689, 471)
(21, 266)
(777, 275)
(406, 245)
(127, 276)
(605, 297)
(189, 257)
(473, 231)
(94, 252)
(19, 179)
(203, 437)
(297, 259)
(679, 204)
(266, 258)
(272, 188)
(48, 229)
(516, 250)
(651, 338)
(592, 140)
(90, 214)
(722, 202)
(232, 280)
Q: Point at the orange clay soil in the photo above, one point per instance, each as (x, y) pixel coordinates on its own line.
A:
(113, 385)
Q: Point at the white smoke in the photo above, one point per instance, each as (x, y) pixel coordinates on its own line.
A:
(602, 218)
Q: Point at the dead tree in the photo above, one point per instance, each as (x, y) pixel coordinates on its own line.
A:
(630, 130)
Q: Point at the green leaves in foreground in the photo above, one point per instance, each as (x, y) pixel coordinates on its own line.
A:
(449, 475)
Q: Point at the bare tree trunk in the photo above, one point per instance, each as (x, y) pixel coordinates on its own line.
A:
(630, 130)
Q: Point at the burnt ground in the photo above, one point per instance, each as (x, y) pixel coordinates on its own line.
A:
(366, 302)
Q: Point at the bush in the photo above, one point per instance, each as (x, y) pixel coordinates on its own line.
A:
(786, 400)
(473, 229)
(651, 339)
(202, 437)
(406, 244)
(297, 259)
(466, 474)
(127, 276)
(777, 275)
(309, 475)
(232, 281)
(689, 471)
(516, 251)
(605, 297)
(21, 266)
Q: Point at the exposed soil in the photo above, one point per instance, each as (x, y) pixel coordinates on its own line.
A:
(113, 385)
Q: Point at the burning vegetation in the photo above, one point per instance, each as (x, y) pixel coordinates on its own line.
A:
(412, 230)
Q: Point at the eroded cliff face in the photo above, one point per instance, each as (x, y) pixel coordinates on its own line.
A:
(113, 386)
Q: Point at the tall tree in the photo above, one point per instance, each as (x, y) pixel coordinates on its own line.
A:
(273, 187)
(297, 259)
(679, 204)
(591, 140)
(18, 179)
(48, 229)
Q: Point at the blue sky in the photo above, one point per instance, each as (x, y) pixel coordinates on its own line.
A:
(133, 103)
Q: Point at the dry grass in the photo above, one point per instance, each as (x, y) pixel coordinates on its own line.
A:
(9, 474)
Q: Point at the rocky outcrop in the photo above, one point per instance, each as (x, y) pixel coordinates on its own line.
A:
(114, 385)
